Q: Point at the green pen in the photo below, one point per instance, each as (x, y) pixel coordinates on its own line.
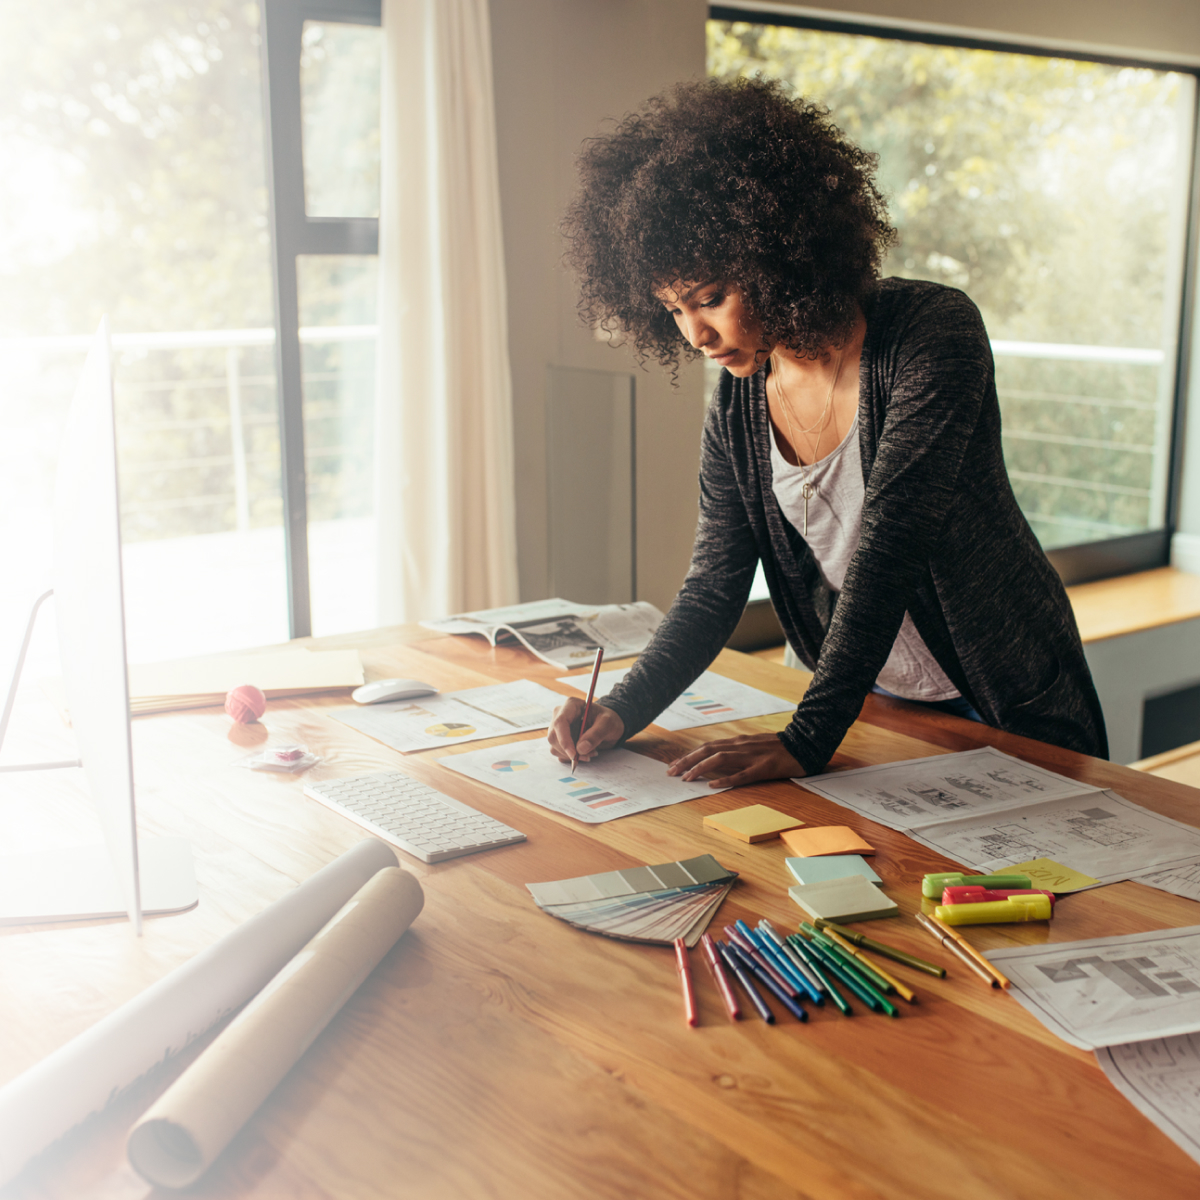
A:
(868, 995)
(851, 970)
(900, 956)
(933, 885)
(864, 968)
(800, 947)
(853, 965)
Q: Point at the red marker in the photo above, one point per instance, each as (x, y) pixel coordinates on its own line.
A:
(971, 894)
(685, 978)
(718, 974)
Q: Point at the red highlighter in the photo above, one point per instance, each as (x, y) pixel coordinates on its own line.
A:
(972, 894)
(685, 978)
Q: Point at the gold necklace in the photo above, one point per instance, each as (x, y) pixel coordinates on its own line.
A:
(808, 488)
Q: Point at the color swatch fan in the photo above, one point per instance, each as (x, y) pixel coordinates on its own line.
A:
(641, 904)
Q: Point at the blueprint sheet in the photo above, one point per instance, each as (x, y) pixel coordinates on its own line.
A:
(1113, 990)
(709, 701)
(1182, 879)
(1099, 833)
(904, 795)
(616, 784)
(1161, 1079)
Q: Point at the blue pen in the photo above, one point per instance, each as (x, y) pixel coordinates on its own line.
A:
(793, 1006)
(760, 1005)
(784, 954)
(784, 966)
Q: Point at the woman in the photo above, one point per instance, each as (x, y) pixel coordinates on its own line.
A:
(852, 444)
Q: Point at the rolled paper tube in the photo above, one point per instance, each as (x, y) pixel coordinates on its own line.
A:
(197, 1117)
(81, 1077)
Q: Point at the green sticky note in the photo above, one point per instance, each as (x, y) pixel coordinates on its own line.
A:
(1052, 876)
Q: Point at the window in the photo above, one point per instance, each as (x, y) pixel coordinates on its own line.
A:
(135, 182)
(1055, 192)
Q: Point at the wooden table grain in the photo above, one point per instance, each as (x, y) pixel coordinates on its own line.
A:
(499, 1053)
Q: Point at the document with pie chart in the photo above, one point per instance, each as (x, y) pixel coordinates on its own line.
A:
(447, 718)
(616, 784)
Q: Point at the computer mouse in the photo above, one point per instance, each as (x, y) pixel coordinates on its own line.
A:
(391, 689)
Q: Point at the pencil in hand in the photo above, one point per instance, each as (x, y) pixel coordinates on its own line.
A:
(587, 708)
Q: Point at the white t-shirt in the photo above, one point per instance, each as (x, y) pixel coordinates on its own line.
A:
(834, 524)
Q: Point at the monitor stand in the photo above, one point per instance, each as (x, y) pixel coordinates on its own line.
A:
(76, 883)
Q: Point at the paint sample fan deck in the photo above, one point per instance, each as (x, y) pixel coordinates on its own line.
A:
(641, 904)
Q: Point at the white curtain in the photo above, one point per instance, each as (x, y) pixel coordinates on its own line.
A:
(443, 452)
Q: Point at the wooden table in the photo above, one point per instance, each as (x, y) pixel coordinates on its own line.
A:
(499, 1053)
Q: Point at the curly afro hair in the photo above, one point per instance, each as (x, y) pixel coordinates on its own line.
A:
(729, 180)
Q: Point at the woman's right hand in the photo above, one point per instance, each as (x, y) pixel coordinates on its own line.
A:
(604, 731)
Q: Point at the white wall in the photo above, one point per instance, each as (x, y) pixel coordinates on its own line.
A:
(563, 68)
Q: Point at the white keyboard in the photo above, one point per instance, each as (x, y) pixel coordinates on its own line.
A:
(413, 816)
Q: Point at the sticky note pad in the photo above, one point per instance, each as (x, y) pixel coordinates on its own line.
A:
(844, 900)
(756, 823)
(825, 839)
(1053, 876)
(831, 866)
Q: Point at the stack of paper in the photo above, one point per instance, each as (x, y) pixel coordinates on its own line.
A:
(641, 904)
(755, 823)
(825, 839)
(831, 866)
(203, 682)
(844, 900)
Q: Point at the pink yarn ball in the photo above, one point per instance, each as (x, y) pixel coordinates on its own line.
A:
(245, 704)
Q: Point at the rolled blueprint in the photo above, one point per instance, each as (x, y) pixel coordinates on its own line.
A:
(81, 1077)
(181, 1135)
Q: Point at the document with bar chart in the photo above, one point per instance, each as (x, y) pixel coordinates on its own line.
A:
(711, 700)
(616, 784)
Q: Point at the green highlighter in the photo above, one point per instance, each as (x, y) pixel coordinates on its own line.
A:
(931, 887)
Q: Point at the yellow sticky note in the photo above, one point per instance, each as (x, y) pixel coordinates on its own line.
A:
(826, 839)
(1051, 875)
(755, 823)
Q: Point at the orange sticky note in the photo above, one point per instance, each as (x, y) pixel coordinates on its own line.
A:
(825, 839)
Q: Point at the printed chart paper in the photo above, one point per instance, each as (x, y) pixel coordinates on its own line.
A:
(711, 700)
(616, 784)
(918, 791)
(467, 716)
(1113, 990)
(1098, 833)
(1161, 1079)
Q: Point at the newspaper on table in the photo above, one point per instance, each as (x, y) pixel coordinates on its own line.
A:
(561, 632)
(710, 700)
(449, 717)
(1112, 990)
(989, 810)
(1161, 1079)
(616, 784)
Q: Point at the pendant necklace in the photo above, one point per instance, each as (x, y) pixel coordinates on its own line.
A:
(808, 486)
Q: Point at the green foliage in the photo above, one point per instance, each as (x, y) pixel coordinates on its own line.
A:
(1052, 192)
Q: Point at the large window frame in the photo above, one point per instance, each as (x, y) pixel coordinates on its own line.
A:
(294, 233)
(1113, 556)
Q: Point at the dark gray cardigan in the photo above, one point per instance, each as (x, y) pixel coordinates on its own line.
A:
(942, 538)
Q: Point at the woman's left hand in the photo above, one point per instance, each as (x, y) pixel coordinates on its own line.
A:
(738, 760)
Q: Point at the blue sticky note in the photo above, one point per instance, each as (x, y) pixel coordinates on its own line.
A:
(821, 868)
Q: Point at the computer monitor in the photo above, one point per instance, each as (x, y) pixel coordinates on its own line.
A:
(123, 877)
